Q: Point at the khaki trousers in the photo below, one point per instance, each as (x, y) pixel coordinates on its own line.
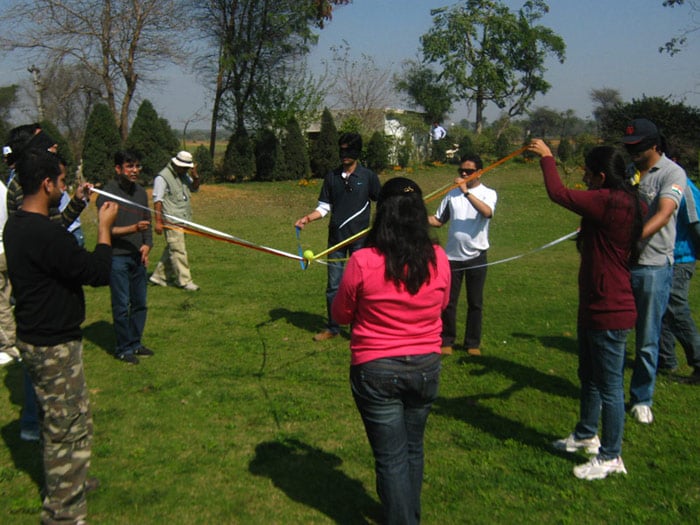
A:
(173, 265)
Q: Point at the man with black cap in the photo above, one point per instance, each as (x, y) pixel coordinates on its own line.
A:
(661, 184)
(172, 189)
(346, 193)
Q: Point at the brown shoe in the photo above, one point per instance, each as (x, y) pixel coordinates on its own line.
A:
(325, 335)
(474, 352)
(446, 350)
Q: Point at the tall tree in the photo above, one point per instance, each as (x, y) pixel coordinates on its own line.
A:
(425, 88)
(8, 97)
(120, 41)
(490, 54)
(604, 100)
(250, 43)
(361, 86)
(296, 160)
(324, 150)
(101, 141)
(154, 140)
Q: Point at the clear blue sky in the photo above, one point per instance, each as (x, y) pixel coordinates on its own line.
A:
(610, 43)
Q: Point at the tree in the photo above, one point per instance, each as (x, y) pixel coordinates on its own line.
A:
(63, 147)
(266, 155)
(678, 123)
(101, 141)
(153, 139)
(604, 100)
(295, 156)
(324, 150)
(676, 44)
(361, 87)
(490, 54)
(119, 41)
(544, 122)
(204, 163)
(69, 93)
(250, 42)
(8, 97)
(239, 159)
(377, 156)
(424, 88)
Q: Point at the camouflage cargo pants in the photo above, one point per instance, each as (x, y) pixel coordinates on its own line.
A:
(66, 428)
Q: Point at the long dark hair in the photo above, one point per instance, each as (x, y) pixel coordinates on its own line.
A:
(401, 233)
(610, 160)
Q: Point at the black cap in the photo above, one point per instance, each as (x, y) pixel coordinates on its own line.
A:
(640, 130)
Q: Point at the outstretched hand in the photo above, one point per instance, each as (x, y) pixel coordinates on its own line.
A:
(539, 147)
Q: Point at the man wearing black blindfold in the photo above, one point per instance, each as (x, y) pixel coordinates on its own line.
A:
(346, 193)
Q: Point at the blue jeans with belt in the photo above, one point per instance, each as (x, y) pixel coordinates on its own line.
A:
(394, 397)
(601, 363)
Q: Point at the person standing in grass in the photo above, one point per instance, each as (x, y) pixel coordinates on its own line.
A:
(469, 209)
(661, 184)
(611, 226)
(172, 195)
(346, 194)
(132, 241)
(47, 270)
(392, 293)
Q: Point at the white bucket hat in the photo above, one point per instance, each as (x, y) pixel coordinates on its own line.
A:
(183, 159)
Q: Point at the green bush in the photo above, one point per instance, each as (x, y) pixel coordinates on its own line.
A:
(204, 162)
(153, 139)
(101, 141)
(239, 159)
(324, 150)
(267, 149)
(295, 156)
(377, 152)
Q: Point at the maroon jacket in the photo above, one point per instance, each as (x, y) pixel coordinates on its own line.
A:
(607, 216)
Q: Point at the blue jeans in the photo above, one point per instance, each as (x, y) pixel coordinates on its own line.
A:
(474, 280)
(601, 363)
(678, 322)
(29, 417)
(128, 287)
(651, 286)
(335, 275)
(394, 397)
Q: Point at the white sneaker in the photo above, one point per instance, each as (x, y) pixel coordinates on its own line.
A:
(5, 358)
(157, 281)
(571, 444)
(29, 435)
(191, 287)
(642, 413)
(598, 468)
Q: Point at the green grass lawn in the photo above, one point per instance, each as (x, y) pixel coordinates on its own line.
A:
(241, 418)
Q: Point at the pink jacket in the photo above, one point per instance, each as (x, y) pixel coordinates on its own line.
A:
(386, 320)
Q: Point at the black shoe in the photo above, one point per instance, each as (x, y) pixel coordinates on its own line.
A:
(128, 358)
(692, 379)
(143, 351)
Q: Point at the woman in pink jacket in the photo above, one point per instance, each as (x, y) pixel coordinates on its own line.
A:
(392, 293)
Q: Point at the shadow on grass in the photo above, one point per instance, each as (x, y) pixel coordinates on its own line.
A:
(311, 477)
(101, 334)
(304, 320)
(470, 409)
(26, 455)
(568, 345)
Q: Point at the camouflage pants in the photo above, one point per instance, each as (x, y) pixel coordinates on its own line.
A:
(66, 428)
(7, 319)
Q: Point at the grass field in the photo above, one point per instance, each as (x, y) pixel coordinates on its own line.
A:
(241, 418)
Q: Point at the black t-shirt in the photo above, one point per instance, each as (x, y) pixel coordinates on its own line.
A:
(47, 269)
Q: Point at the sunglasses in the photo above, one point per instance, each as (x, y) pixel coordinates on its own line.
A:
(466, 171)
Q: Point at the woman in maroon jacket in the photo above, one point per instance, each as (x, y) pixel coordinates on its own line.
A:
(611, 226)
